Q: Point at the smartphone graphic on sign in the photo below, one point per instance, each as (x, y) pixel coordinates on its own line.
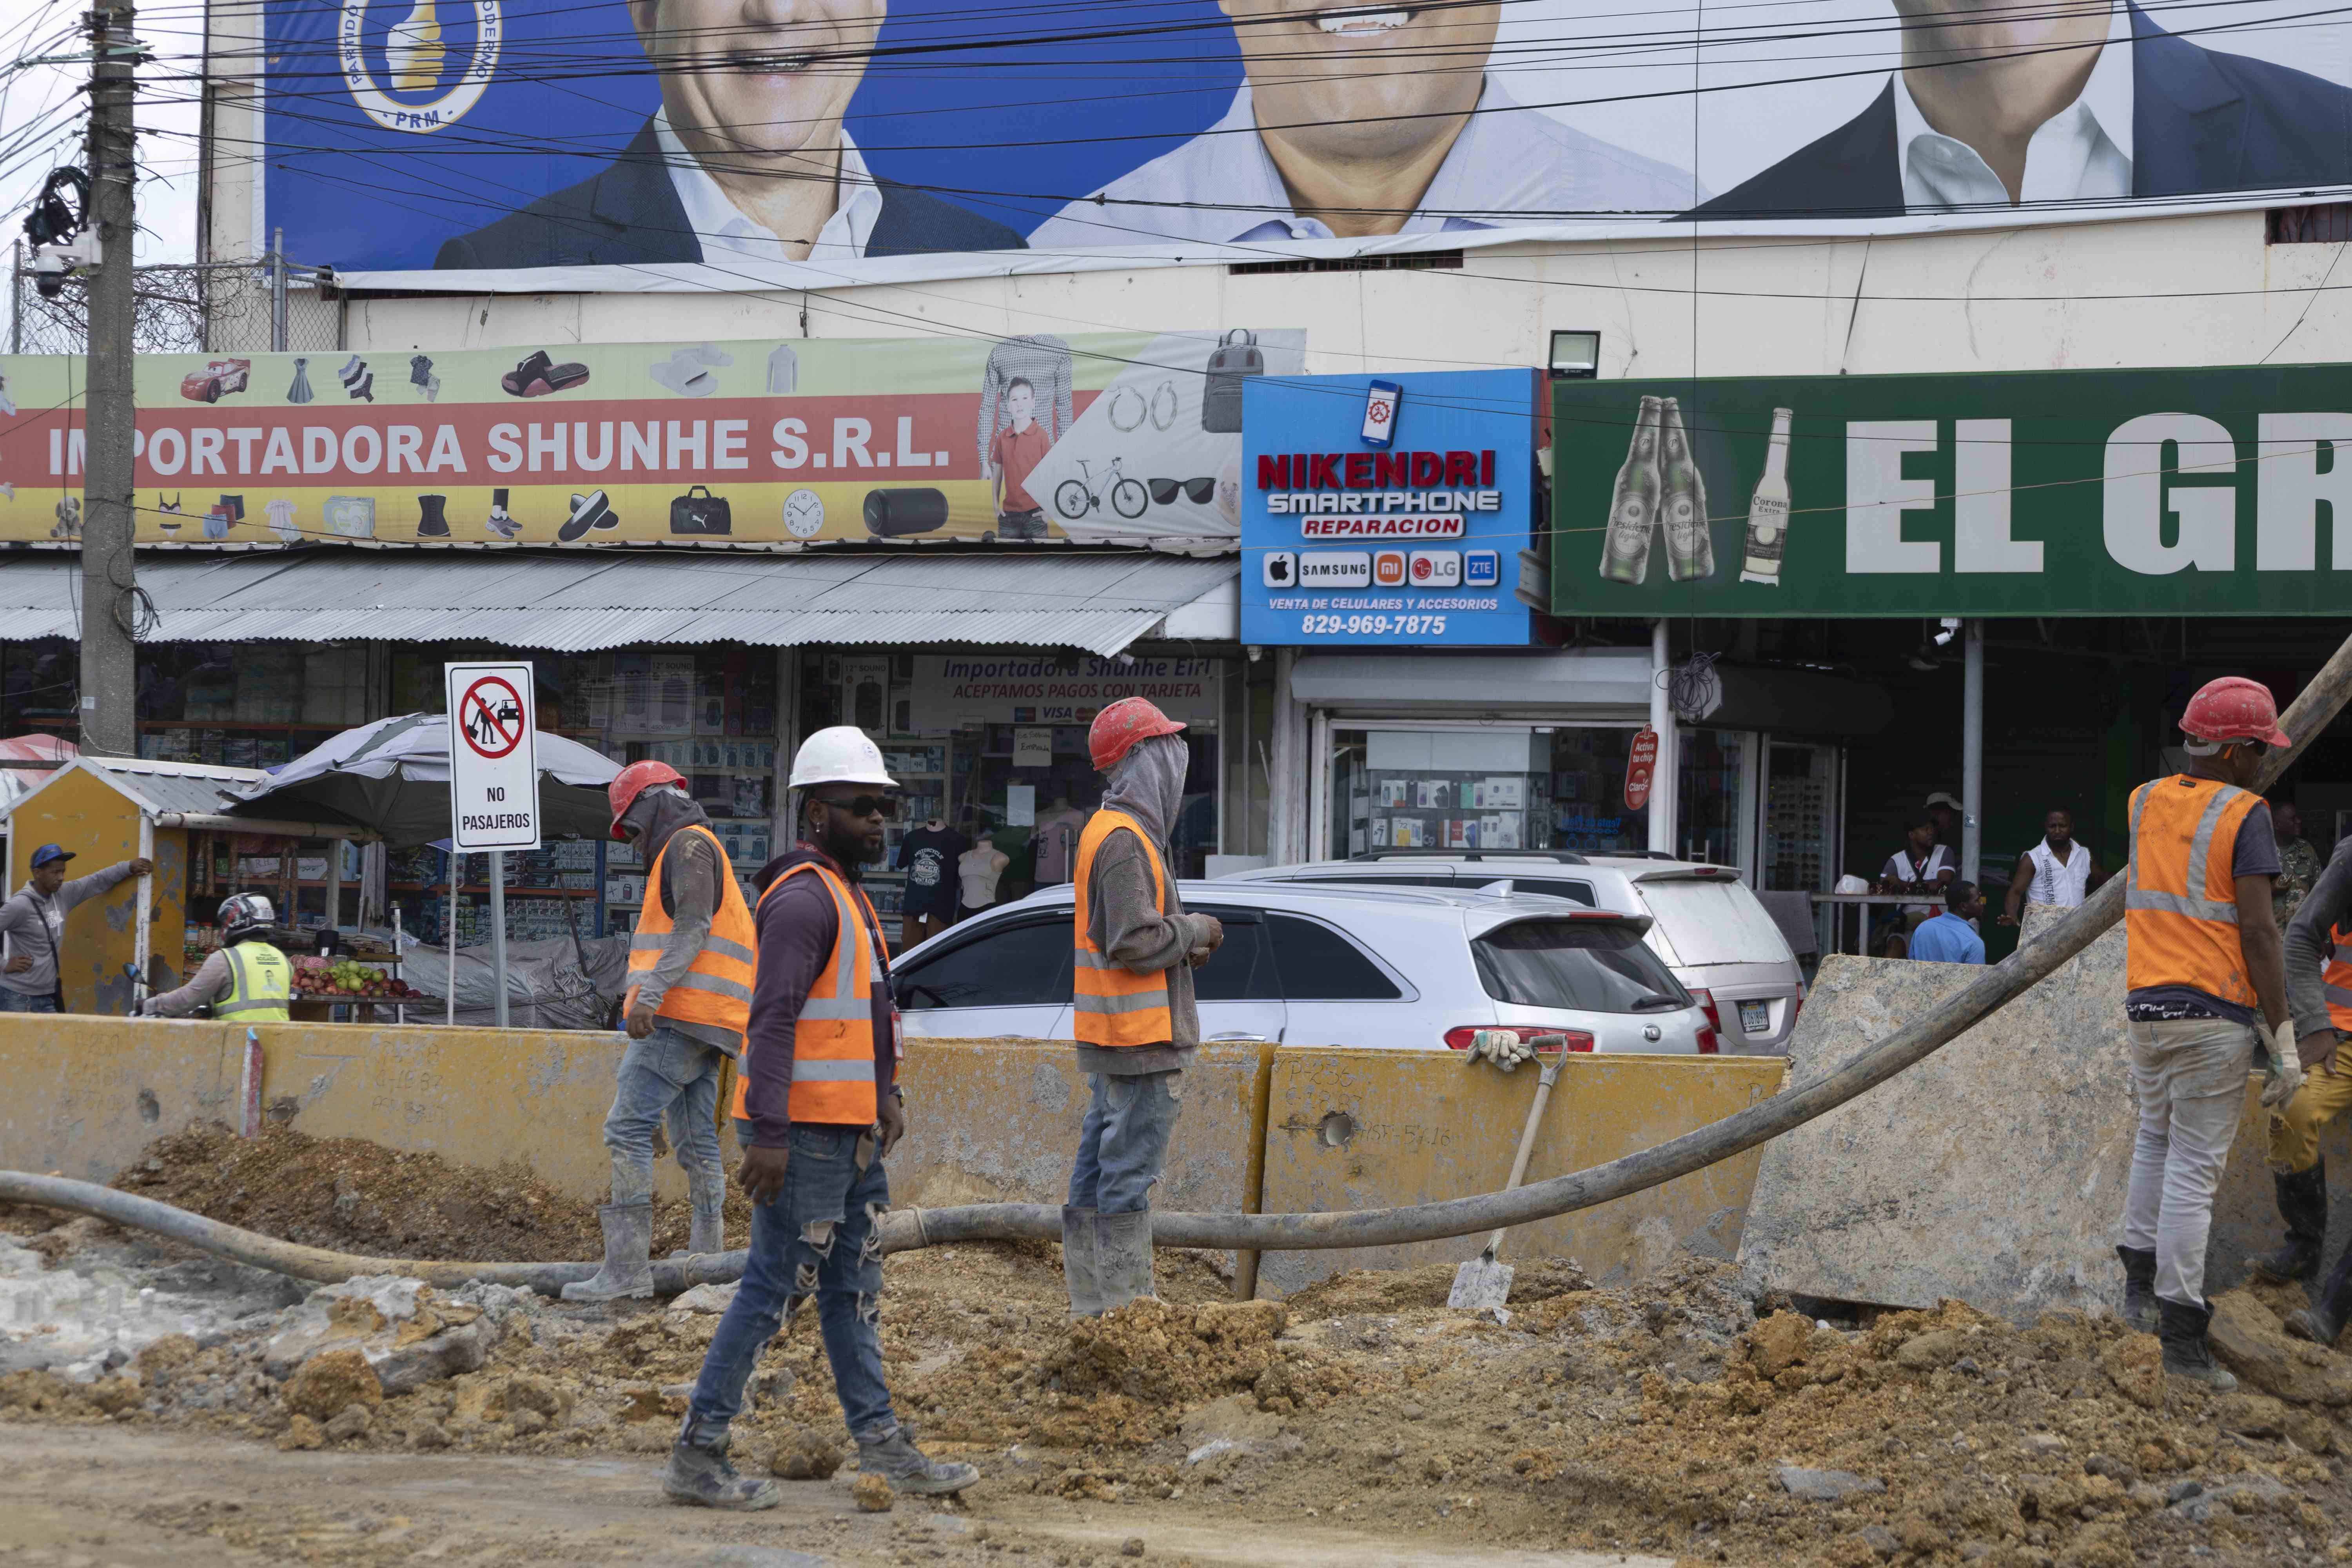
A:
(1380, 400)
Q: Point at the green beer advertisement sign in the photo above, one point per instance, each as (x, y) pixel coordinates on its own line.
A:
(2096, 492)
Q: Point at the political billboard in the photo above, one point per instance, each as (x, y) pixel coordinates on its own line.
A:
(2071, 493)
(701, 144)
(1099, 438)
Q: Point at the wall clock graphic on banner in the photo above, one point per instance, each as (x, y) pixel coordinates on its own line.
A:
(421, 79)
(803, 514)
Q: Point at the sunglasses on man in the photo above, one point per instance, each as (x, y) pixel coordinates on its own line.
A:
(880, 805)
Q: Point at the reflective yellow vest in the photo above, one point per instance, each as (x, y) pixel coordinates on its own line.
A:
(260, 982)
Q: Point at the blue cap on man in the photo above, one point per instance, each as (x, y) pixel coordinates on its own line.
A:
(49, 852)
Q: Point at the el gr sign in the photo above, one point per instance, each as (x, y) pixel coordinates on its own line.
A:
(2055, 492)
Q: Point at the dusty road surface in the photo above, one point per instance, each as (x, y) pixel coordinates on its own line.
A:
(189, 1411)
(111, 1496)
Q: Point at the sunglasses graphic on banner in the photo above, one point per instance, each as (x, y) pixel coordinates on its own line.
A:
(1197, 491)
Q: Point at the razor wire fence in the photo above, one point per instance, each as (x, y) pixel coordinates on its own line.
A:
(183, 307)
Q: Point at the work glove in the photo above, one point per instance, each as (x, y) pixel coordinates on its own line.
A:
(1501, 1047)
(2286, 1067)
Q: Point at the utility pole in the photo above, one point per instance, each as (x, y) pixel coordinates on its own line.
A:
(110, 671)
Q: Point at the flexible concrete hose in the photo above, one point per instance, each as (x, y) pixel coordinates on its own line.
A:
(903, 1229)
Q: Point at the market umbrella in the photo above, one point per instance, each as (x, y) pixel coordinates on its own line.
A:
(392, 777)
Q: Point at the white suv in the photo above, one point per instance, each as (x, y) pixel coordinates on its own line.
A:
(1715, 935)
(1419, 969)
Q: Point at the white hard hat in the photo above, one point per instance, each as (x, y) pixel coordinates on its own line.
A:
(842, 754)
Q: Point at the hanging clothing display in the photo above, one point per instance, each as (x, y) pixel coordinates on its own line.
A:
(928, 856)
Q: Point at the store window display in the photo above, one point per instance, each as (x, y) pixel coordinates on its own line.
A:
(929, 856)
(978, 870)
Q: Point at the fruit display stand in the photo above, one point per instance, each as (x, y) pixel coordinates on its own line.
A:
(350, 990)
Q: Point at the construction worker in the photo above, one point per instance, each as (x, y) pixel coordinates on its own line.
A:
(2205, 982)
(818, 1110)
(1135, 1020)
(690, 965)
(244, 980)
(2319, 989)
(33, 926)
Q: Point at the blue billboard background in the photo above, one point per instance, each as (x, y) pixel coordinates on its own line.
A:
(570, 87)
(1316, 423)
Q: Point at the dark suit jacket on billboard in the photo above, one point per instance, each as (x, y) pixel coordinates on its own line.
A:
(2203, 123)
(629, 213)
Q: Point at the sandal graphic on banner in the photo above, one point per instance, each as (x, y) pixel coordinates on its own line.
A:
(538, 375)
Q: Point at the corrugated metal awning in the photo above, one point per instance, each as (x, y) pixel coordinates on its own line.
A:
(1098, 601)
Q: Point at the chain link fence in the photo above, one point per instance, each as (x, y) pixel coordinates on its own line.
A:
(223, 308)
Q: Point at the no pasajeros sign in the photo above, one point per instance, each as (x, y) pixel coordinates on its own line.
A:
(493, 757)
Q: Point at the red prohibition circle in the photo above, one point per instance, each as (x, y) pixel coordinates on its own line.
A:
(475, 707)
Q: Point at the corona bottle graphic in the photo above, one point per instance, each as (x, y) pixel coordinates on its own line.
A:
(1633, 503)
(1767, 513)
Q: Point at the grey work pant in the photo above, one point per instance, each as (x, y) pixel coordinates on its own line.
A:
(2189, 1077)
(666, 1074)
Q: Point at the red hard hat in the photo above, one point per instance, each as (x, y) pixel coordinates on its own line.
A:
(2234, 708)
(633, 781)
(1118, 726)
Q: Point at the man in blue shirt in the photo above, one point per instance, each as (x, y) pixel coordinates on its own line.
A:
(1949, 938)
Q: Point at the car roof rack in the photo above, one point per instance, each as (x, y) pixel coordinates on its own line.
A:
(1558, 856)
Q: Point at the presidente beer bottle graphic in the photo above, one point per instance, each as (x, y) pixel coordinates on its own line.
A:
(1767, 512)
(1633, 503)
(1690, 546)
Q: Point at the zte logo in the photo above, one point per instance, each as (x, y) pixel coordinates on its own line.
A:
(1388, 569)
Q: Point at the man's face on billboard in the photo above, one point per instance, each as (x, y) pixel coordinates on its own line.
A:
(1955, 30)
(1320, 70)
(758, 77)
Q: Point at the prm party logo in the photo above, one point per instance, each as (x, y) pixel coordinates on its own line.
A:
(408, 69)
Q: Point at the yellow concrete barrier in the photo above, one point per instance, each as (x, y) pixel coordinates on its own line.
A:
(997, 1122)
(82, 1094)
(1361, 1130)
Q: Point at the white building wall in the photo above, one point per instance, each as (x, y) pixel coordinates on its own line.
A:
(2166, 291)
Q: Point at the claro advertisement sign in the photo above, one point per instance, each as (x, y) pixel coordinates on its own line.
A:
(1387, 510)
(1104, 438)
(704, 144)
(2135, 492)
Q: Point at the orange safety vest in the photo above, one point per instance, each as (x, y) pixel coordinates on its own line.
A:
(1114, 1005)
(716, 988)
(832, 1038)
(2181, 906)
(2336, 980)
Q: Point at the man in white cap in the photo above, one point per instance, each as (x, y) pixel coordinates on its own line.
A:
(817, 1111)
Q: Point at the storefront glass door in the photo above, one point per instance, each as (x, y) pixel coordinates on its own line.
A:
(1799, 818)
(1481, 786)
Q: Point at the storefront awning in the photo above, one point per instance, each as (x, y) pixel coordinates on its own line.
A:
(575, 604)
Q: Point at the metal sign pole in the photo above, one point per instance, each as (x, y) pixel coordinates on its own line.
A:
(499, 932)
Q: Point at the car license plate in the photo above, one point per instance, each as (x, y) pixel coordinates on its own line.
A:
(1755, 1018)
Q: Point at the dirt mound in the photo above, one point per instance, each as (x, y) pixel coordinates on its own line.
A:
(1393, 1290)
(356, 1196)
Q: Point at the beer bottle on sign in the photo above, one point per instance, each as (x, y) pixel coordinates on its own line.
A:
(1633, 503)
(1690, 545)
(1767, 512)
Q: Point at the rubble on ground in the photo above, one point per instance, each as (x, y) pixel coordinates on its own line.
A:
(1664, 1416)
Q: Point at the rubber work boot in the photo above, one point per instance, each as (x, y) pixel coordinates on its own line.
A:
(1079, 1268)
(2186, 1353)
(2139, 1289)
(897, 1460)
(2303, 1204)
(2323, 1323)
(628, 1246)
(700, 1474)
(1123, 1256)
(709, 1232)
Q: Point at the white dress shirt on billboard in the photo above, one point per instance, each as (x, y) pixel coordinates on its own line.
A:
(725, 229)
(1510, 163)
(2082, 153)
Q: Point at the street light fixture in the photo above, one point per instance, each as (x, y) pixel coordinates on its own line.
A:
(1575, 355)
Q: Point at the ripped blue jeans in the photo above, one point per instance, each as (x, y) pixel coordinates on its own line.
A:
(820, 1237)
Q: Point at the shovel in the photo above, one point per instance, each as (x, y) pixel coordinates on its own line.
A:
(1483, 1283)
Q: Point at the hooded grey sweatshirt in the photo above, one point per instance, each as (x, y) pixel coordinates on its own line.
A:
(1126, 922)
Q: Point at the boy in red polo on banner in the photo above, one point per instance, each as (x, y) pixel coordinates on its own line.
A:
(1013, 457)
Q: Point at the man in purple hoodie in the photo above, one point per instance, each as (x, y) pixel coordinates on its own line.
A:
(817, 1111)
